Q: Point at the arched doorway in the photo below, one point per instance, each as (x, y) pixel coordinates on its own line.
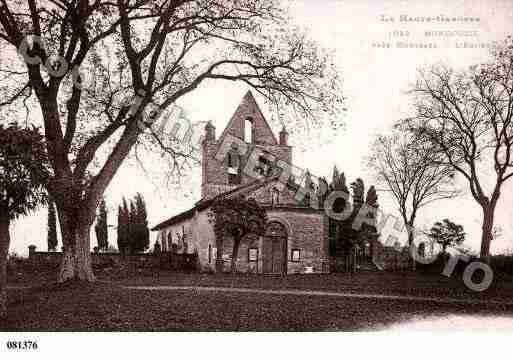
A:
(274, 249)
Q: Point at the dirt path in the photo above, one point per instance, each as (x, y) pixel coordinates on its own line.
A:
(317, 293)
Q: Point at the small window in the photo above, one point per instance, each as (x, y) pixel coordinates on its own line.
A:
(275, 197)
(233, 159)
(367, 249)
(234, 167)
(295, 255)
(253, 255)
(209, 254)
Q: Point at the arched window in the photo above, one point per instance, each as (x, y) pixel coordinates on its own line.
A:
(248, 130)
(163, 241)
(169, 240)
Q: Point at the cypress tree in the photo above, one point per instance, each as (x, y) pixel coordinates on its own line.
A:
(132, 228)
(139, 233)
(123, 227)
(142, 223)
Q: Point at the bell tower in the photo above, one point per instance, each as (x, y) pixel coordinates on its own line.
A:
(249, 125)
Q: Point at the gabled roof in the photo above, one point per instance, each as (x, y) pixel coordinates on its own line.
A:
(205, 203)
(250, 100)
(238, 191)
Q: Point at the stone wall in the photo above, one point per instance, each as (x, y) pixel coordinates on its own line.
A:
(381, 258)
(172, 261)
(215, 173)
(390, 258)
(307, 232)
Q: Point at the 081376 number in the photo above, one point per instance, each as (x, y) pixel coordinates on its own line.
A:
(22, 345)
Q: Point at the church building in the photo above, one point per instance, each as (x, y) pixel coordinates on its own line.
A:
(296, 240)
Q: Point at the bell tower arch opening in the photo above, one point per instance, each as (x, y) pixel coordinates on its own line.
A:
(248, 130)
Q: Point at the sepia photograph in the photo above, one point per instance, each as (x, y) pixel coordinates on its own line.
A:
(173, 172)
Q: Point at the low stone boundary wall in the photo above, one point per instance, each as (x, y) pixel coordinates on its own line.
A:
(164, 260)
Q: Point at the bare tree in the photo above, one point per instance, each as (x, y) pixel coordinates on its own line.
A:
(153, 51)
(412, 174)
(466, 117)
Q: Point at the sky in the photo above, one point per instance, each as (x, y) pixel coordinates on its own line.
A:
(375, 80)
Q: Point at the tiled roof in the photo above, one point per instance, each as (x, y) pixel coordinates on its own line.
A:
(205, 203)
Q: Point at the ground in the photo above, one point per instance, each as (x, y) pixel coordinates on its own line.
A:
(247, 302)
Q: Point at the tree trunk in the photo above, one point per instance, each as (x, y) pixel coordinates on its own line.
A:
(411, 237)
(486, 235)
(235, 254)
(219, 255)
(5, 239)
(76, 259)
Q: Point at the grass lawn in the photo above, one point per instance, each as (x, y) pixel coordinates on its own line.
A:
(109, 306)
(390, 283)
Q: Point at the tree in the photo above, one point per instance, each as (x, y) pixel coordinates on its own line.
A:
(132, 228)
(52, 227)
(139, 232)
(23, 176)
(236, 218)
(412, 173)
(343, 233)
(123, 227)
(447, 234)
(159, 52)
(466, 117)
(101, 229)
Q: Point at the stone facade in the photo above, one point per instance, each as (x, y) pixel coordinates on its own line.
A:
(297, 238)
(191, 235)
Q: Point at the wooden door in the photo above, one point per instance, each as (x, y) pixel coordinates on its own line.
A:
(267, 255)
(274, 249)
